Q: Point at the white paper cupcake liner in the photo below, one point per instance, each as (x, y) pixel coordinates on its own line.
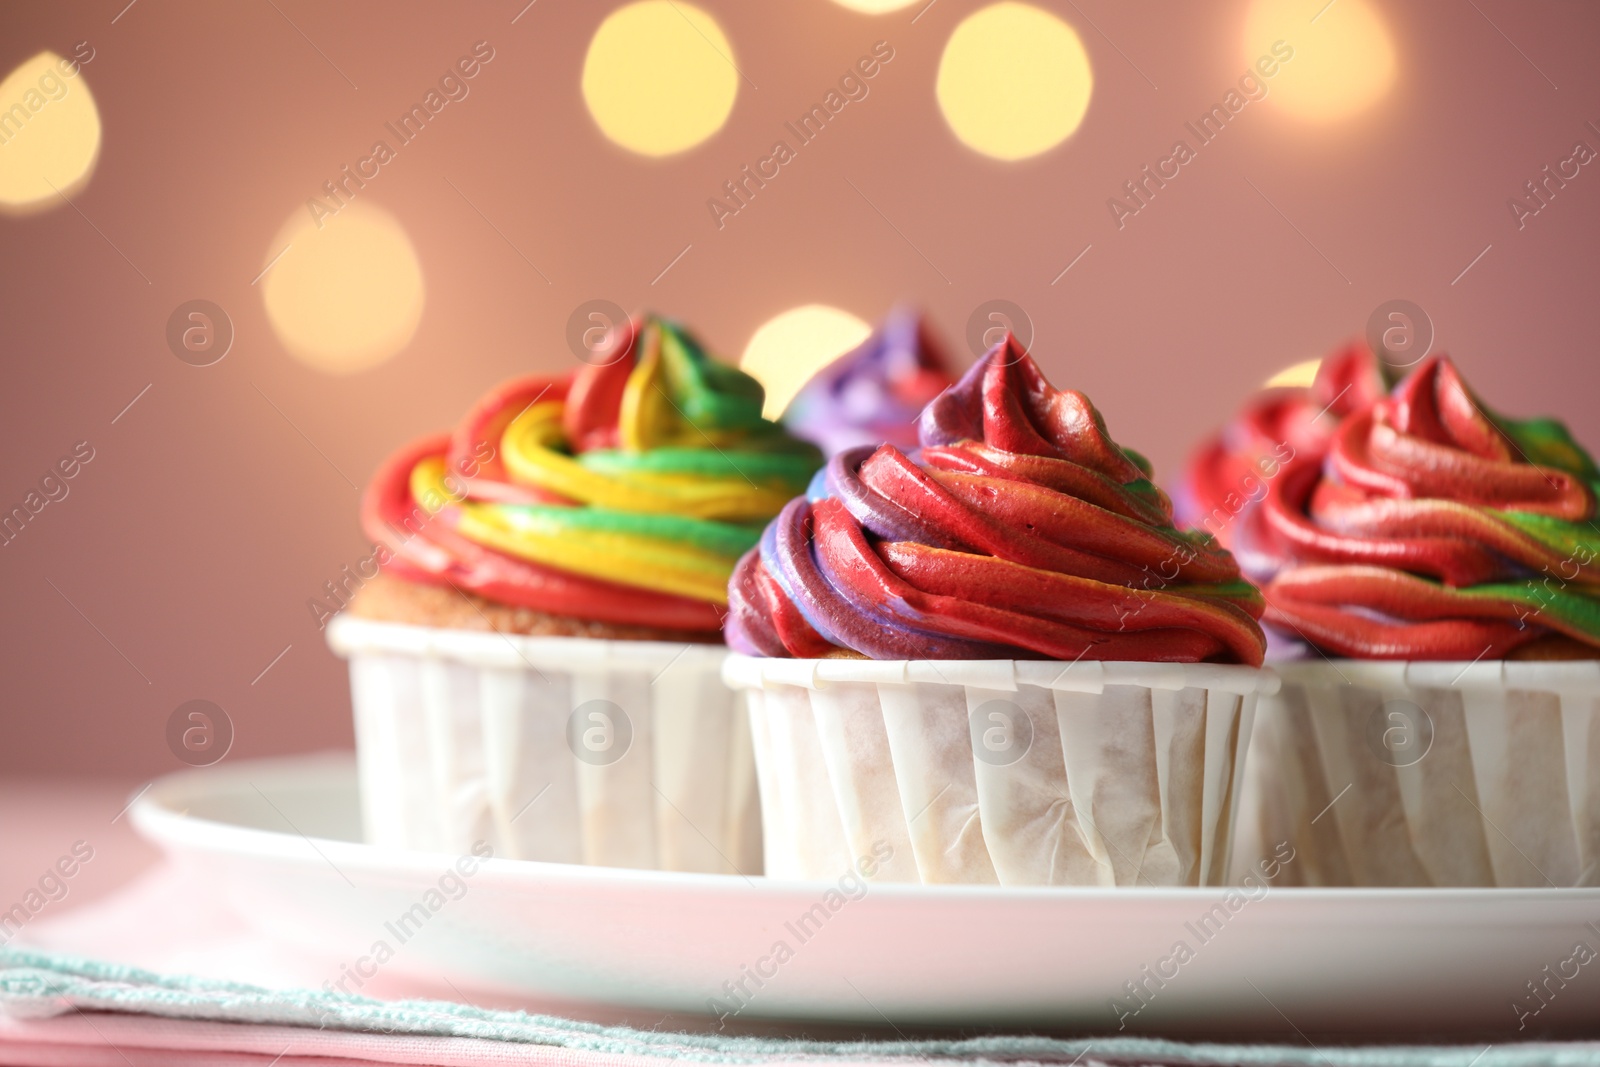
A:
(1430, 774)
(568, 749)
(1000, 771)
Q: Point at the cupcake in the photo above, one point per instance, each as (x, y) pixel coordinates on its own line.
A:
(874, 393)
(1439, 568)
(537, 663)
(1280, 425)
(998, 662)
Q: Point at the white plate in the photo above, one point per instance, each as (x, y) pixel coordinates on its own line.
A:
(280, 840)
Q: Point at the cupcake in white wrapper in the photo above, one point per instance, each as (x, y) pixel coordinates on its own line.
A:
(1438, 568)
(996, 656)
(567, 749)
(1001, 771)
(538, 663)
(1431, 774)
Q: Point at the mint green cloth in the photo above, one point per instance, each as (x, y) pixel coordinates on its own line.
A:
(37, 985)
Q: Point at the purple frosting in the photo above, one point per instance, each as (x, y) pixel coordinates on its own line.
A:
(874, 393)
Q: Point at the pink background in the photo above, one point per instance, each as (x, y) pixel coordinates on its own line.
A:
(205, 522)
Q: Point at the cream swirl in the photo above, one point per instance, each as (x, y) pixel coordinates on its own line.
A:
(1020, 530)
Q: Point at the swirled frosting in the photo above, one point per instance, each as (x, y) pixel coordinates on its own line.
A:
(874, 393)
(1020, 531)
(1229, 474)
(622, 494)
(1435, 529)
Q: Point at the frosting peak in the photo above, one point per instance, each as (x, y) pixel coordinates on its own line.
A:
(1005, 402)
(1432, 438)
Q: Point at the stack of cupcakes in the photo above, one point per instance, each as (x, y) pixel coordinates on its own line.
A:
(1430, 572)
(537, 666)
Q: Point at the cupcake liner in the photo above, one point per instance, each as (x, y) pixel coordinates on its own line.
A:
(567, 749)
(1430, 774)
(999, 771)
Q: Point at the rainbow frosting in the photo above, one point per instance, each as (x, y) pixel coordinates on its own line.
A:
(1228, 474)
(1435, 529)
(874, 393)
(624, 493)
(1020, 530)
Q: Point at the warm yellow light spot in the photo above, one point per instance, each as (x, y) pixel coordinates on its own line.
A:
(49, 133)
(1342, 63)
(789, 348)
(659, 77)
(1299, 376)
(875, 7)
(1014, 81)
(347, 296)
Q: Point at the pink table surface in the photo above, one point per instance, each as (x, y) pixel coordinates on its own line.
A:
(127, 905)
(42, 818)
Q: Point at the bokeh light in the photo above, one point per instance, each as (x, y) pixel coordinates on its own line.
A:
(345, 296)
(49, 133)
(875, 7)
(1300, 376)
(659, 77)
(1014, 81)
(1343, 63)
(788, 349)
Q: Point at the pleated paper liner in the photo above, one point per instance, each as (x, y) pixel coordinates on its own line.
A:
(567, 749)
(1430, 774)
(1000, 771)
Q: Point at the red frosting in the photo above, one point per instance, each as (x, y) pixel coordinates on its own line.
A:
(1278, 427)
(1397, 546)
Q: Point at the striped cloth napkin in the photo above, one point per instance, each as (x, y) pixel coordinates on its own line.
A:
(58, 1010)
